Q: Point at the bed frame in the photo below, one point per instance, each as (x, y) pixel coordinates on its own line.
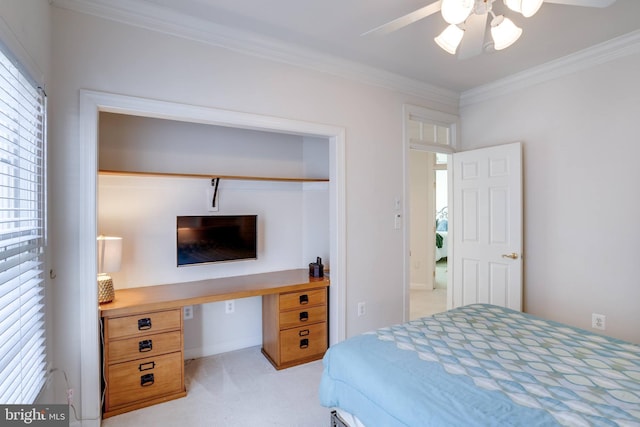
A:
(336, 421)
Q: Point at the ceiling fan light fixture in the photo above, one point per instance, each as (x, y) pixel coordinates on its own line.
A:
(527, 8)
(504, 32)
(450, 38)
(456, 11)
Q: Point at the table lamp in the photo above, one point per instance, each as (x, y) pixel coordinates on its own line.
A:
(109, 257)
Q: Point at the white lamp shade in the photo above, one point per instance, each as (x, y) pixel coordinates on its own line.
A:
(504, 32)
(450, 38)
(456, 11)
(109, 254)
(527, 8)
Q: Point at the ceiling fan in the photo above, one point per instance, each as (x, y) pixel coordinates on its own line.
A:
(469, 18)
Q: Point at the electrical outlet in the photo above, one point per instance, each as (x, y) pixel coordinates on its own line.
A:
(598, 321)
(70, 396)
(362, 309)
(187, 311)
(230, 306)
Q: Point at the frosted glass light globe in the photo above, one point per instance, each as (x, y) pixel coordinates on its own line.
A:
(456, 11)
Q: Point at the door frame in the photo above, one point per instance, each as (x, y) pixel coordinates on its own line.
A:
(452, 122)
(94, 102)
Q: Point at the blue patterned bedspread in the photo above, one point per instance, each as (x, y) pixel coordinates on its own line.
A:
(483, 365)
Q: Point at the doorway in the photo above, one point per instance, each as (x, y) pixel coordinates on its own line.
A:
(429, 227)
(430, 138)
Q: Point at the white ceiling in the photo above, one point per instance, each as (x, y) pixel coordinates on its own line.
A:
(333, 28)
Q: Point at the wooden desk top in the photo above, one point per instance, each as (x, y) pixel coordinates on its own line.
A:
(162, 297)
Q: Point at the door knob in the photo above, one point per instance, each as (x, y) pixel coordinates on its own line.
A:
(512, 255)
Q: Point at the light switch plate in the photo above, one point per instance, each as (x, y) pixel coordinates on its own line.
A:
(397, 221)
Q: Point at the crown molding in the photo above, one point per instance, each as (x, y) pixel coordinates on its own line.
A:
(619, 47)
(163, 20)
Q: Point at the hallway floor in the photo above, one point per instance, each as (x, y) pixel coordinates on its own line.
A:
(425, 302)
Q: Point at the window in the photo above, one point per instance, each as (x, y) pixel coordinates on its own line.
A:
(430, 130)
(424, 131)
(22, 236)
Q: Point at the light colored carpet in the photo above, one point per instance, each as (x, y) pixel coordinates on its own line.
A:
(441, 274)
(425, 302)
(238, 388)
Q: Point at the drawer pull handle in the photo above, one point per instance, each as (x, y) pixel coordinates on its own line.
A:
(144, 324)
(304, 316)
(303, 333)
(304, 299)
(146, 366)
(146, 345)
(304, 343)
(146, 380)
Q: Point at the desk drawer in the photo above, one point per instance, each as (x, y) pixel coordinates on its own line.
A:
(294, 300)
(144, 346)
(289, 319)
(133, 382)
(304, 342)
(143, 324)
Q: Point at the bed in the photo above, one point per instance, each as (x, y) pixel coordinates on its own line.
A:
(482, 365)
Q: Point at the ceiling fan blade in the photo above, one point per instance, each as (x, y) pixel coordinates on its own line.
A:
(585, 3)
(405, 20)
(473, 40)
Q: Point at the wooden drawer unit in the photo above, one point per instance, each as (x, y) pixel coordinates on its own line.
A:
(143, 360)
(299, 343)
(294, 327)
(143, 324)
(145, 346)
(143, 379)
(294, 300)
(302, 316)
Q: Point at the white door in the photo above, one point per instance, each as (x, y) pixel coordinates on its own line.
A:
(487, 227)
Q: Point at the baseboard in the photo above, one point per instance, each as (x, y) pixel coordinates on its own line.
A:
(419, 286)
(196, 353)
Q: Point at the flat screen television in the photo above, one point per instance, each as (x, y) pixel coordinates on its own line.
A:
(219, 238)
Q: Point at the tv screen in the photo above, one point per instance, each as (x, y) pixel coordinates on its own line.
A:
(205, 239)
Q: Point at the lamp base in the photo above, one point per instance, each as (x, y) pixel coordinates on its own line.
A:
(105, 289)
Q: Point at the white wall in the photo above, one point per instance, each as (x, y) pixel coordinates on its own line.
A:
(92, 53)
(143, 210)
(422, 217)
(581, 178)
(25, 29)
(315, 202)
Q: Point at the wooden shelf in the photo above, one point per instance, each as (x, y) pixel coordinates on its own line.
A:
(208, 176)
(170, 296)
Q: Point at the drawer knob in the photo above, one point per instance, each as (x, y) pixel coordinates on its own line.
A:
(304, 299)
(304, 343)
(146, 380)
(146, 366)
(304, 316)
(303, 333)
(146, 345)
(144, 324)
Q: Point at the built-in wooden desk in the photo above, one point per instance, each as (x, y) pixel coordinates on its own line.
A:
(143, 347)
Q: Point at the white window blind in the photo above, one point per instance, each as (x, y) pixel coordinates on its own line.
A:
(22, 236)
